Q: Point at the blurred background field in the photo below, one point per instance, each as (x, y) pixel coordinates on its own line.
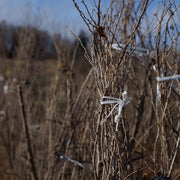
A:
(51, 75)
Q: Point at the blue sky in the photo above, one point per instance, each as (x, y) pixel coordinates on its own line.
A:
(47, 14)
(52, 15)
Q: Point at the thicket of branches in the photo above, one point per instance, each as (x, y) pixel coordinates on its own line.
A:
(147, 140)
(53, 120)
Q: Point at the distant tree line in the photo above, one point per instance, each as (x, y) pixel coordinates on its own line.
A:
(31, 42)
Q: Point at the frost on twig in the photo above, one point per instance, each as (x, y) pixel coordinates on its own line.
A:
(161, 79)
(137, 50)
(175, 77)
(158, 92)
(73, 161)
(119, 104)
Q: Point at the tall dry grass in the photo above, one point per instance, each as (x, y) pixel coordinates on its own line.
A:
(45, 112)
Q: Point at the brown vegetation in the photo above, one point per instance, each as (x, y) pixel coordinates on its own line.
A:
(50, 111)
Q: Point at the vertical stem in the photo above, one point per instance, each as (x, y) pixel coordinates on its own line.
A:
(26, 131)
(99, 15)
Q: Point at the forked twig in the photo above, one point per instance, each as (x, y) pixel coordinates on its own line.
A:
(135, 28)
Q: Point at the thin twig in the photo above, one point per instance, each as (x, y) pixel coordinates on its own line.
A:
(85, 19)
(81, 90)
(175, 153)
(135, 28)
(26, 131)
(73, 161)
